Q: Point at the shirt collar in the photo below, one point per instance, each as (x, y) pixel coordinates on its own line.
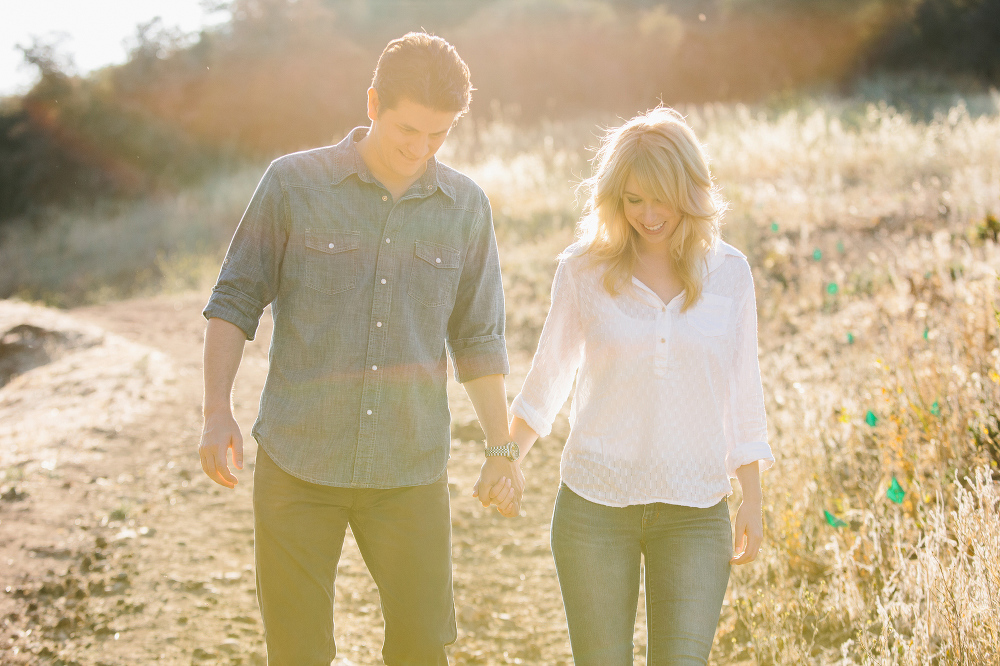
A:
(717, 255)
(348, 161)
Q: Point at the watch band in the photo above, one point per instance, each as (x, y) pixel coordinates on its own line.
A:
(509, 451)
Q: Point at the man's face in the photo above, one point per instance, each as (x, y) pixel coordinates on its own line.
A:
(406, 136)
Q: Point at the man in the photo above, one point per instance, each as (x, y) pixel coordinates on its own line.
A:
(376, 260)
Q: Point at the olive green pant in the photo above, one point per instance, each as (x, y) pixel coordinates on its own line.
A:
(404, 535)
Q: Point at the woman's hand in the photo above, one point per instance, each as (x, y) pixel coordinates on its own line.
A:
(749, 527)
(501, 482)
(507, 499)
(749, 531)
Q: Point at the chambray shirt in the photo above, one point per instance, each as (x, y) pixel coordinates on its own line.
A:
(367, 295)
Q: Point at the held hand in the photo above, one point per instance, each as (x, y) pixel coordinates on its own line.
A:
(505, 498)
(749, 529)
(501, 482)
(221, 433)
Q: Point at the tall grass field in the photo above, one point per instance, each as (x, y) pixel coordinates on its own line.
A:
(873, 240)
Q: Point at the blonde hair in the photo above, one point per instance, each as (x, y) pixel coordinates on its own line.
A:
(661, 151)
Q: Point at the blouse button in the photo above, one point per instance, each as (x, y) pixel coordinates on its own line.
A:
(663, 339)
(385, 198)
(383, 280)
(369, 412)
(438, 260)
(330, 246)
(386, 240)
(379, 324)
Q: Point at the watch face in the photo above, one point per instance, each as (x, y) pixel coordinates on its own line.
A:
(514, 451)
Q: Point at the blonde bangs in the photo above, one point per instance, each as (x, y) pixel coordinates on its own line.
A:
(657, 176)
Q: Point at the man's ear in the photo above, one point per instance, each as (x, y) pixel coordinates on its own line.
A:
(372, 104)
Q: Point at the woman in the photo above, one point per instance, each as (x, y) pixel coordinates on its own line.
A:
(655, 316)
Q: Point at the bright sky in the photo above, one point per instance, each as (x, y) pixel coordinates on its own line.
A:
(94, 30)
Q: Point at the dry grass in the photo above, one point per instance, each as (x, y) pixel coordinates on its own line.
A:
(121, 250)
(876, 270)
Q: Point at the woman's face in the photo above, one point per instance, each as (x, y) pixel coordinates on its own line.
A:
(654, 220)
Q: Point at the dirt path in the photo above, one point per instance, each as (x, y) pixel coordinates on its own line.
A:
(116, 549)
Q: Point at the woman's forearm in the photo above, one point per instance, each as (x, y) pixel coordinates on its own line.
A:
(749, 477)
(523, 435)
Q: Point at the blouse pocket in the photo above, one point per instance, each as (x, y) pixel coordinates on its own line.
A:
(332, 260)
(710, 315)
(434, 273)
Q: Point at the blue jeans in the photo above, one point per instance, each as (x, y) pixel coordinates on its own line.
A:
(597, 550)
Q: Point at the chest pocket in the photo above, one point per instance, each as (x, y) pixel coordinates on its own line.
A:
(433, 274)
(710, 315)
(332, 260)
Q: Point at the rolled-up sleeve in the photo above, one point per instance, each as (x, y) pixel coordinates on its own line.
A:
(250, 273)
(747, 427)
(476, 326)
(559, 354)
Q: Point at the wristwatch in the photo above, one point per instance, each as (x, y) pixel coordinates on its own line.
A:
(508, 451)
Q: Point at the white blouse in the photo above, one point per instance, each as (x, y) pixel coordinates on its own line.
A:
(667, 404)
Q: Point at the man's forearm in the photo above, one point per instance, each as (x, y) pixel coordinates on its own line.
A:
(489, 398)
(224, 344)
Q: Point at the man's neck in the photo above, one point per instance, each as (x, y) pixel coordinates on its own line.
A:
(397, 186)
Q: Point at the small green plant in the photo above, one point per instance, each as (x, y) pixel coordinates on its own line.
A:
(989, 228)
(121, 512)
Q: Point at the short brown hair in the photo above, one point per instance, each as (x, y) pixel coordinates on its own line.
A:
(424, 69)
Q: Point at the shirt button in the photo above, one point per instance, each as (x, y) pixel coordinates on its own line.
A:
(438, 260)
(385, 198)
(386, 240)
(369, 412)
(383, 280)
(430, 187)
(330, 246)
(374, 367)
(663, 339)
(379, 324)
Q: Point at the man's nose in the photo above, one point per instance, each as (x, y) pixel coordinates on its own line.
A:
(419, 147)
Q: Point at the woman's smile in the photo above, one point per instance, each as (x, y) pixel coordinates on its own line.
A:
(655, 220)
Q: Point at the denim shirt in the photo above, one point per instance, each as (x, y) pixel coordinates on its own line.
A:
(367, 295)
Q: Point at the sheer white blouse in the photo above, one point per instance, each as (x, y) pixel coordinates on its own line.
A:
(667, 404)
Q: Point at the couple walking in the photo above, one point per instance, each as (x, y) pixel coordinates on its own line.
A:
(376, 260)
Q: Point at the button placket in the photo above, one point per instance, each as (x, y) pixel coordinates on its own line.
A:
(662, 328)
(365, 456)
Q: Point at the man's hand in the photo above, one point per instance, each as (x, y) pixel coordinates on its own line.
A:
(221, 433)
(749, 531)
(501, 482)
(223, 350)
